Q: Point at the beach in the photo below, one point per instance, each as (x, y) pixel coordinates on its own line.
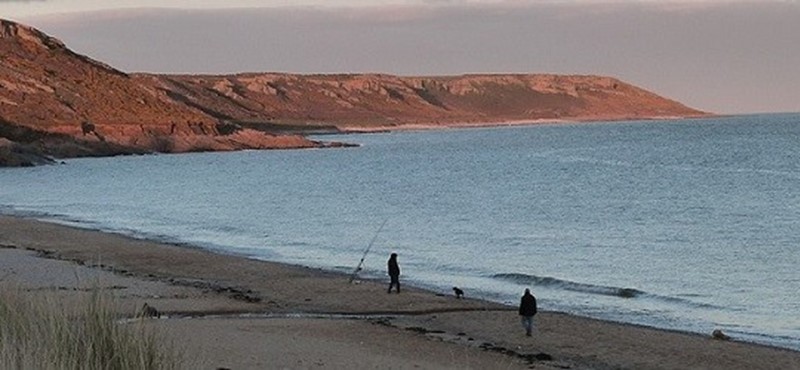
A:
(227, 311)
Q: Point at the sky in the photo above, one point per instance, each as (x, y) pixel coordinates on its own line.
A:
(721, 56)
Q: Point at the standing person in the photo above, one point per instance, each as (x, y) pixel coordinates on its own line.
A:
(527, 308)
(394, 273)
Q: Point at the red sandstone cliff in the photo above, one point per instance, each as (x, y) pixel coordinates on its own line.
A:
(62, 104)
(384, 100)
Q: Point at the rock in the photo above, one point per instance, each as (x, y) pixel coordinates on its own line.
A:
(13, 154)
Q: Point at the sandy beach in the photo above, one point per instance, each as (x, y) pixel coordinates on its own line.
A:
(232, 312)
(423, 126)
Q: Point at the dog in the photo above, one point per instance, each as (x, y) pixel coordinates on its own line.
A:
(459, 293)
(718, 334)
(148, 311)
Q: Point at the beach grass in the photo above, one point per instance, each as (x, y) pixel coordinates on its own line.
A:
(40, 331)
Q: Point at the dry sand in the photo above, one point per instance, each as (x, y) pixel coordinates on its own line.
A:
(237, 313)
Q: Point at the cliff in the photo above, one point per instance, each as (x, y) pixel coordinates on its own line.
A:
(351, 101)
(55, 103)
(62, 104)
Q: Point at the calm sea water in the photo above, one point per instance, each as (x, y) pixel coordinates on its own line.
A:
(689, 225)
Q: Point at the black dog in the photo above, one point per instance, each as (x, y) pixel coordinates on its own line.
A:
(459, 293)
(148, 311)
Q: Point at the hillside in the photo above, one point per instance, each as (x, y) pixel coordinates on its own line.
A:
(61, 104)
(55, 103)
(352, 101)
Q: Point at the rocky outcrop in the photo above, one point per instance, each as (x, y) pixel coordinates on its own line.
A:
(57, 103)
(15, 155)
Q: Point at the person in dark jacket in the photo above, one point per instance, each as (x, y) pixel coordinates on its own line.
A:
(394, 272)
(527, 309)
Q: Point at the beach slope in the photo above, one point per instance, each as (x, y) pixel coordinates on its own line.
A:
(229, 311)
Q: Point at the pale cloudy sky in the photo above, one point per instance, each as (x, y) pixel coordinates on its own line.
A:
(717, 55)
(21, 8)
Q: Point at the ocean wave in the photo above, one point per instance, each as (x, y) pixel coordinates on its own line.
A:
(47, 216)
(628, 293)
(547, 281)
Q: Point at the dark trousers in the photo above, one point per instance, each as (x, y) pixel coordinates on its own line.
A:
(527, 323)
(395, 282)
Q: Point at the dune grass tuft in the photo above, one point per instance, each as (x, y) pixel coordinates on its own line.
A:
(39, 332)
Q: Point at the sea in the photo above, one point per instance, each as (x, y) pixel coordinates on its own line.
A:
(689, 225)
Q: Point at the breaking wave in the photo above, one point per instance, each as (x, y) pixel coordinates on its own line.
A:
(569, 285)
(551, 282)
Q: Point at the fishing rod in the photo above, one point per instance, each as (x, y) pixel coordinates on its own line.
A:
(354, 275)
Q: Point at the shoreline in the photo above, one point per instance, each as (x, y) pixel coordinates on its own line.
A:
(447, 126)
(75, 224)
(425, 126)
(235, 285)
(14, 155)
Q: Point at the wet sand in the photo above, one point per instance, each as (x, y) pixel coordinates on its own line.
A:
(238, 313)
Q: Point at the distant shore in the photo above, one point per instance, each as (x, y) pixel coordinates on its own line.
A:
(423, 126)
(442, 126)
(229, 311)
